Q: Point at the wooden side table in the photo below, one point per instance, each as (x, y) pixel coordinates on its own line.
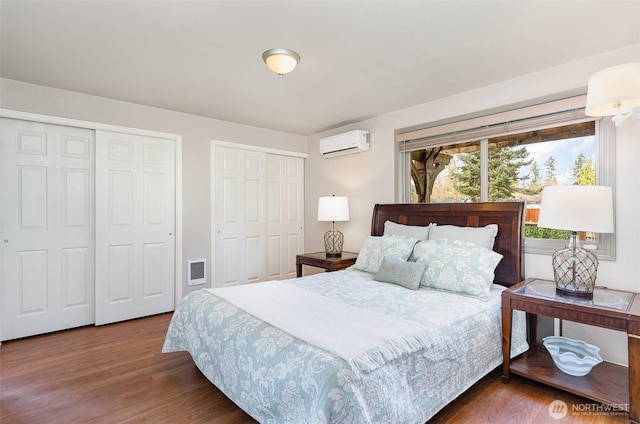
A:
(320, 260)
(607, 383)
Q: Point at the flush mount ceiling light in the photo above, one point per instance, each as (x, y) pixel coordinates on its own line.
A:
(281, 61)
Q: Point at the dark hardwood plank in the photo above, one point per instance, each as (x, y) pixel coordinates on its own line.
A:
(522, 401)
(116, 374)
(605, 382)
(109, 374)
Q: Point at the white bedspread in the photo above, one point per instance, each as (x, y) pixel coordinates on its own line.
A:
(371, 339)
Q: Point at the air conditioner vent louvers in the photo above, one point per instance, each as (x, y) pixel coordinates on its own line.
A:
(346, 143)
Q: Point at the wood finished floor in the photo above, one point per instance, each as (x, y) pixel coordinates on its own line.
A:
(116, 374)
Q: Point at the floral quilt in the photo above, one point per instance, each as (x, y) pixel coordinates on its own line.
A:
(277, 378)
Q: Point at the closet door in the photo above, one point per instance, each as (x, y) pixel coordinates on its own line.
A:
(285, 223)
(258, 216)
(47, 223)
(135, 226)
(240, 217)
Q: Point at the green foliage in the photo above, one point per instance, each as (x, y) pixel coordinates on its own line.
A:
(535, 172)
(533, 231)
(503, 166)
(468, 175)
(586, 174)
(550, 164)
(577, 166)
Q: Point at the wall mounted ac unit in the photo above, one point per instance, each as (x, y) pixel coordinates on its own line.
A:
(343, 144)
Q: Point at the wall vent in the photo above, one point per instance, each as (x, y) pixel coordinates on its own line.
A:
(196, 272)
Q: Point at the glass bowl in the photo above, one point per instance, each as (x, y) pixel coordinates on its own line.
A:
(573, 357)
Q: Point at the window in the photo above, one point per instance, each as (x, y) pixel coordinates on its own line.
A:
(507, 160)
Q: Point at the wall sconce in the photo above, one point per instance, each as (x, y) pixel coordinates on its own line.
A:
(576, 208)
(333, 208)
(615, 92)
(281, 61)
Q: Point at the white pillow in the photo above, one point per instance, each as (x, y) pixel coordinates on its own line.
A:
(376, 248)
(457, 266)
(482, 236)
(394, 229)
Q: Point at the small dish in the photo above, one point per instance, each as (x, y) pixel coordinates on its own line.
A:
(573, 357)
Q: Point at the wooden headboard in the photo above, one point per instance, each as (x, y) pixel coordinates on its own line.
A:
(509, 216)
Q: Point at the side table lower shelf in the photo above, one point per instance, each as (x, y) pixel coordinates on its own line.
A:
(606, 383)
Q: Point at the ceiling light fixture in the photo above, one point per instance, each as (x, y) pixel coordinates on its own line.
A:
(281, 61)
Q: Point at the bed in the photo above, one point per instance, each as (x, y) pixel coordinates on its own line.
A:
(367, 344)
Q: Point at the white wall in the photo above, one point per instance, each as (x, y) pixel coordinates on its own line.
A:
(369, 178)
(196, 131)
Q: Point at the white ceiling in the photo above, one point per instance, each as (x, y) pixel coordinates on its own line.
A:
(359, 59)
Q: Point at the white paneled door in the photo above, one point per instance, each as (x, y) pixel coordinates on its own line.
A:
(47, 218)
(135, 226)
(285, 214)
(258, 215)
(240, 211)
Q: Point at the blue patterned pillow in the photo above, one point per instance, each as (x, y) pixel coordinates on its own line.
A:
(376, 248)
(457, 266)
(402, 273)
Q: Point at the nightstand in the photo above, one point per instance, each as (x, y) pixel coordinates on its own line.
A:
(607, 383)
(320, 260)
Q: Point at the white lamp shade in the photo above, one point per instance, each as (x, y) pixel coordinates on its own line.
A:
(612, 85)
(577, 208)
(281, 61)
(333, 208)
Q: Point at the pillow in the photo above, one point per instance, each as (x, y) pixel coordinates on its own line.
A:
(376, 248)
(394, 229)
(402, 273)
(483, 236)
(457, 266)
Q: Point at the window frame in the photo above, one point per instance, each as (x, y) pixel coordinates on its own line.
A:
(605, 159)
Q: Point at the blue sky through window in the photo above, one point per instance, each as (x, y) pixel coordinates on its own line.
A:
(565, 153)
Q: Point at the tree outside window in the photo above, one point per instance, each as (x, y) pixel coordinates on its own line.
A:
(518, 166)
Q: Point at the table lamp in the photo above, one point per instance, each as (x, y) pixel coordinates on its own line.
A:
(333, 208)
(576, 208)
